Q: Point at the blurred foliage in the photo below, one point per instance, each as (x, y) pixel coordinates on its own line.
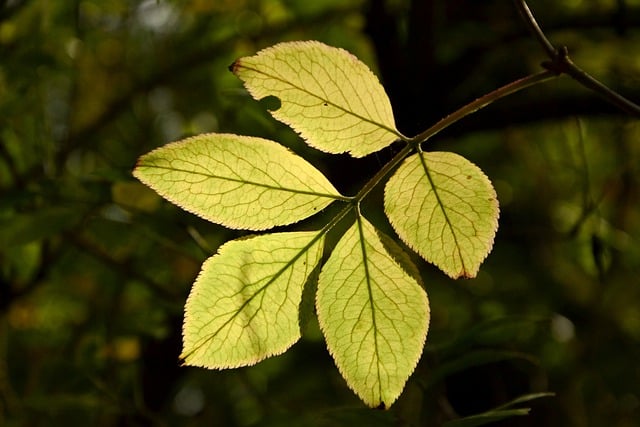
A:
(95, 268)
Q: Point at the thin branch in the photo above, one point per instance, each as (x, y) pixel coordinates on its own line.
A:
(535, 29)
(452, 118)
(382, 173)
(483, 101)
(543, 107)
(578, 74)
(560, 63)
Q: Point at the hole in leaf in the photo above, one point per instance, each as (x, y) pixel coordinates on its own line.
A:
(271, 103)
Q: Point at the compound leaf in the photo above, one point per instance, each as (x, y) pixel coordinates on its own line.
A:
(326, 94)
(445, 208)
(373, 314)
(237, 181)
(243, 307)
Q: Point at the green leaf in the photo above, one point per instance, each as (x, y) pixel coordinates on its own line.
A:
(445, 208)
(487, 417)
(373, 314)
(526, 398)
(499, 413)
(327, 95)
(237, 181)
(243, 306)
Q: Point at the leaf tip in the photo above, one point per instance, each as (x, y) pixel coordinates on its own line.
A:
(468, 275)
(136, 168)
(235, 66)
(182, 361)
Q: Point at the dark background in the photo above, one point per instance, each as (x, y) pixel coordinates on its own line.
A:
(95, 268)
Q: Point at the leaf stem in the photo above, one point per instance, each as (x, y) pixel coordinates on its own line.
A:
(482, 102)
(563, 64)
(535, 29)
(470, 108)
(382, 173)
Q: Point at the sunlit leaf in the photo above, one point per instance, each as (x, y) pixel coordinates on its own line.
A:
(237, 181)
(373, 314)
(400, 256)
(326, 94)
(445, 208)
(244, 304)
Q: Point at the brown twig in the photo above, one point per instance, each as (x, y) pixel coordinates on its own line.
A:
(560, 63)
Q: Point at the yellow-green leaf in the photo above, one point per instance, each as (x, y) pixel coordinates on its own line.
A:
(244, 304)
(373, 314)
(445, 208)
(327, 95)
(237, 181)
